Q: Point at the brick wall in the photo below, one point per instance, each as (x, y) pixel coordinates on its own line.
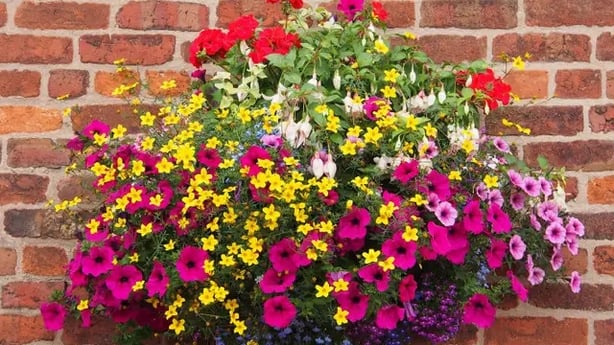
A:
(55, 48)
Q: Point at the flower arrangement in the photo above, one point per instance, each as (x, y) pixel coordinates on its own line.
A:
(323, 185)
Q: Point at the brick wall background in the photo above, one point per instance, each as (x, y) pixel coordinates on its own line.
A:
(54, 48)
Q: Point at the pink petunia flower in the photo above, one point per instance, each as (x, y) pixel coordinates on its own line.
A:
(439, 238)
(121, 279)
(373, 273)
(575, 282)
(389, 316)
(495, 197)
(209, 157)
(473, 218)
(250, 159)
(277, 282)
(548, 211)
(517, 201)
(499, 220)
(536, 274)
(407, 288)
(353, 225)
(406, 171)
(535, 222)
(515, 178)
(437, 183)
(284, 256)
(501, 145)
(350, 8)
(555, 233)
(575, 226)
(556, 260)
(96, 127)
(572, 244)
(517, 247)
(530, 186)
(403, 252)
(98, 261)
(446, 213)
(158, 280)
(279, 312)
(53, 316)
(459, 244)
(479, 311)
(496, 253)
(545, 186)
(190, 264)
(353, 301)
(517, 287)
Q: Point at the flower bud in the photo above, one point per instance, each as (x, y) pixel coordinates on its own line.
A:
(466, 108)
(336, 80)
(412, 75)
(430, 100)
(469, 81)
(441, 96)
(317, 166)
(330, 168)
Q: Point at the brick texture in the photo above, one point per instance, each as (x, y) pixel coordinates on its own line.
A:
(554, 13)
(20, 83)
(3, 14)
(23, 294)
(585, 155)
(19, 329)
(534, 330)
(601, 190)
(544, 47)
(155, 79)
(462, 14)
(62, 15)
(44, 261)
(604, 332)
(601, 118)
(580, 83)
(401, 13)
(542, 120)
(598, 226)
(30, 49)
(24, 188)
(8, 261)
(452, 48)
(106, 82)
(104, 49)
(36, 152)
(528, 84)
(603, 260)
(28, 119)
(68, 83)
(163, 15)
(229, 10)
(598, 297)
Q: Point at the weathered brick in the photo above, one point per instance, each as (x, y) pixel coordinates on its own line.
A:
(23, 294)
(603, 260)
(601, 118)
(30, 49)
(19, 329)
(229, 10)
(111, 114)
(135, 49)
(452, 48)
(605, 47)
(62, 15)
(68, 82)
(544, 47)
(604, 332)
(568, 12)
(537, 330)
(163, 15)
(41, 223)
(597, 226)
(36, 152)
(585, 155)
(3, 14)
(610, 84)
(76, 185)
(102, 332)
(106, 82)
(401, 13)
(571, 188)
(593, 297)
(601, 190)
(44, 261)
(542, 120)
(499, 14)
(8, 261)
(20, 83)
(155, 80)
(528, 84)
(577, 263)
(578, 83)
(28, 189)
(28, 119)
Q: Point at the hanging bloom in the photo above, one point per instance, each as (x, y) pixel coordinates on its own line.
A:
(555, 233)
(407, 288)
(279, 312)
(354, 301)
(406, 171)
(353, 225)
(158, 280)
(403, 252)
(530, 186)
(536, 274)
(517, 287)
(350, 8)
(284, 256)
(472, 217)
(517, 247)
(190, 264)
(446, 213)
(98, 261)
(277, 282)
(556, 260)
(389, 316)
(495, 254)
(439, 238)
(53, 316)
(575, 282)
(479, 311)
(373, 273)
(499, 220)
(121, 279)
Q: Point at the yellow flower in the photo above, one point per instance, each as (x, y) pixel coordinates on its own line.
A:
(371, 256)
(83, 305)
(207, 296)
(518, 63)
(147, 119)
(178, 326)
(391, 75)
(491, 181)
(341, 285)
(418, 200)
(164, 166)
(209, 243)
(468, 145)
(389, 92)
(323, 290)
(381, 47)
(138, 285)
(430, 131)
(134, 257)
(168, 84)
(119, 131)
(170, 245)
(332, 123)
(408, 35)
(373, 135)
(455, 175)
(348, 148)
(341, 316)
(387, 264)
(410, 234)
(240, 327)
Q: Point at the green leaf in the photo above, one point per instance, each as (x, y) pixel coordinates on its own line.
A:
(364, 59)
(467, 92)
(293, 77)
(543, 162)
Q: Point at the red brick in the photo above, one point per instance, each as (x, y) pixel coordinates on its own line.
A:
(537, 330)
(111, 114)
(28, 119)
(44, 261)
(75, 185)
(601, 118)
(603, 260)
(136, 49)
(102, 332)
(568, 12)
(585, 155)
(528, 84)
(36, 152)
(571, 188)
(20, 83)
(28, 294)
(577, 263)
(229, 10)
(597, 226)
(106, 82)
(598, 297)
(578, 83)
(62, 15)
(163, 15)
(3, 14)
(8, 261)
(499, 14)
(156, 78)
(453, 48)
(610, 84)
(601, 190)
(24, 188)
(544, 47)
(401, 13)
(605, 47)
(41, 223)
(20, 329)
(68, 82)
(542, 120)
(30, 49)
(604, 332)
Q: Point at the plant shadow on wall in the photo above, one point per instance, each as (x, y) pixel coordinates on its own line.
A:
(322, 187)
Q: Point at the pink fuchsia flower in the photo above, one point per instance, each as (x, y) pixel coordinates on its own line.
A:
(353, 225)
(190, 264)
(389, 316)
(353, 301)
(53, 316)
(279, 312)
(575, 282)
(446, 213)
(250, 159)
(575, 226)
(530, 186)
(499, 220)
(403, 252)
(555, 233)
(473, 220)
(556, 260)
(439, 238)
(121, 279)
(98, 261)
(277, 282)
(496, 253)
(517, 247)
(517, 287)
(479, 311)
(515, 178)
(373, 273)
(407, 288)
(517, 201)
(158, 280)
(406, 171)
(501, 145)
(284, 256)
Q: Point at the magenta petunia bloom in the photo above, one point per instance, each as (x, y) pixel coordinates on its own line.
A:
(86, 318)
(499, 220)
(389, 316)
(517, 247)
(208, 157)
(53, 316)
(501, 145)
(371, 104)
(96, 127)
(250, 159)
(373, 273)
(517, 287)
(479, 311)
(517, 201)
(446, 213)
(555, 233)
(98, 261)
(354, 224)
(403, 252)
(531, 186)
(439, 238)
(284, 256)
(190, 264)
(496, 253)
(350, 8)
(121, 279)
(459, 244)
(353, 301)
(277, 282)
(158, 280)
(406, 171)
(473, 218)
(279, 312)
(575, 282)
(439, 184)
(407, 288)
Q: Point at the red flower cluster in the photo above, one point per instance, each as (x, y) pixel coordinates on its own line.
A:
(296, 4)
(379, 12)
(493, 87)
(273, 41)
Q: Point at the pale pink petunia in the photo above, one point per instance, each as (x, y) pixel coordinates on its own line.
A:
(548, 211)
(515, 178)
(536, 274)
(530, 186)
(501, 145)
(535, 222)
(572, 244)
(481, 191)
(575, 226)
(556, 261)
(517, 247)
(545, 186)
(517, 201)
(555, 233)
(495, 197)
(575, 282)
(446, 213)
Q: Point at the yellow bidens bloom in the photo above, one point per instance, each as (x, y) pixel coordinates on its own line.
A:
(381, 47)
(518, 63)
(341, 316)
(324, 290)
(177, 325)
(371, 256)
(491, 181)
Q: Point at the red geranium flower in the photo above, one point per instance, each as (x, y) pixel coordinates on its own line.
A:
(379, 12)
(273, 41)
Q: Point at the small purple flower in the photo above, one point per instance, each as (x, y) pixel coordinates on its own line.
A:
(575, 282)
(517, 201)
(556, 261)
(446, 213)
(501, 145)
(515, 178)
(517, 247)
(530, 186)
(555, 233)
